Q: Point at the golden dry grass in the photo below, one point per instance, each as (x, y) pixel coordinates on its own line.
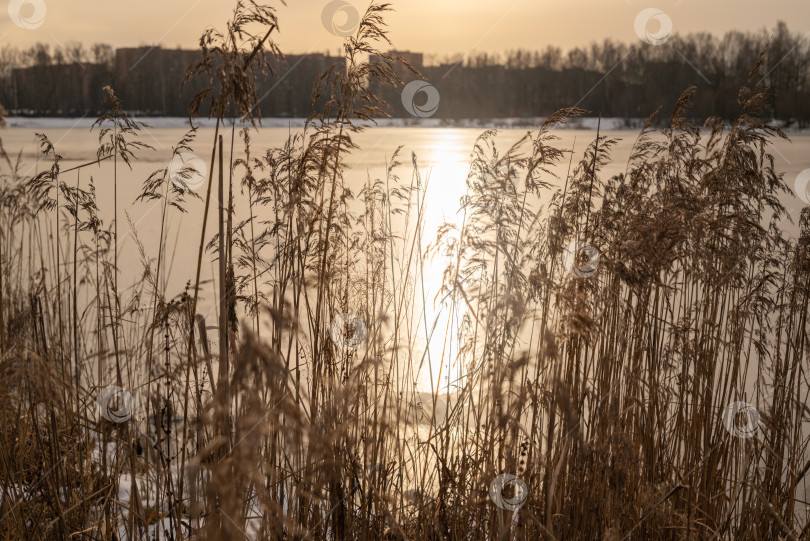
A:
(604, 392)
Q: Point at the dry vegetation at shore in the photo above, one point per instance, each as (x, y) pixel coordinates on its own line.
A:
(603, 391)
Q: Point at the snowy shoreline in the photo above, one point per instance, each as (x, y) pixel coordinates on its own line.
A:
(582, 123)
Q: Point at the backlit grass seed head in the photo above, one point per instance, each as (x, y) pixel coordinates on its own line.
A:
(340, 18)
(188, 171)
(431, 101)
(508, 492)
(653, 26)
(347, 331)
(741, 419)
(115, 404)
(800, 186)
(581, 259)
(27, 14)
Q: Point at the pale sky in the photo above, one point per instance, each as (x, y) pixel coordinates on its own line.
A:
(437, 27)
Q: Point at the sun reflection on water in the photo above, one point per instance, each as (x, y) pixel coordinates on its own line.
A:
(445, 174)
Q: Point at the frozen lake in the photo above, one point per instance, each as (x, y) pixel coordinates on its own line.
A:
(443, 154)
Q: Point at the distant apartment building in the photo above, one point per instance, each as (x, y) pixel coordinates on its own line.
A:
(416, 60)
(149, 79)
(288, 92)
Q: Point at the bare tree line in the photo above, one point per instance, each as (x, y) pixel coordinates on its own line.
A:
(627, 80)
(617, 79)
